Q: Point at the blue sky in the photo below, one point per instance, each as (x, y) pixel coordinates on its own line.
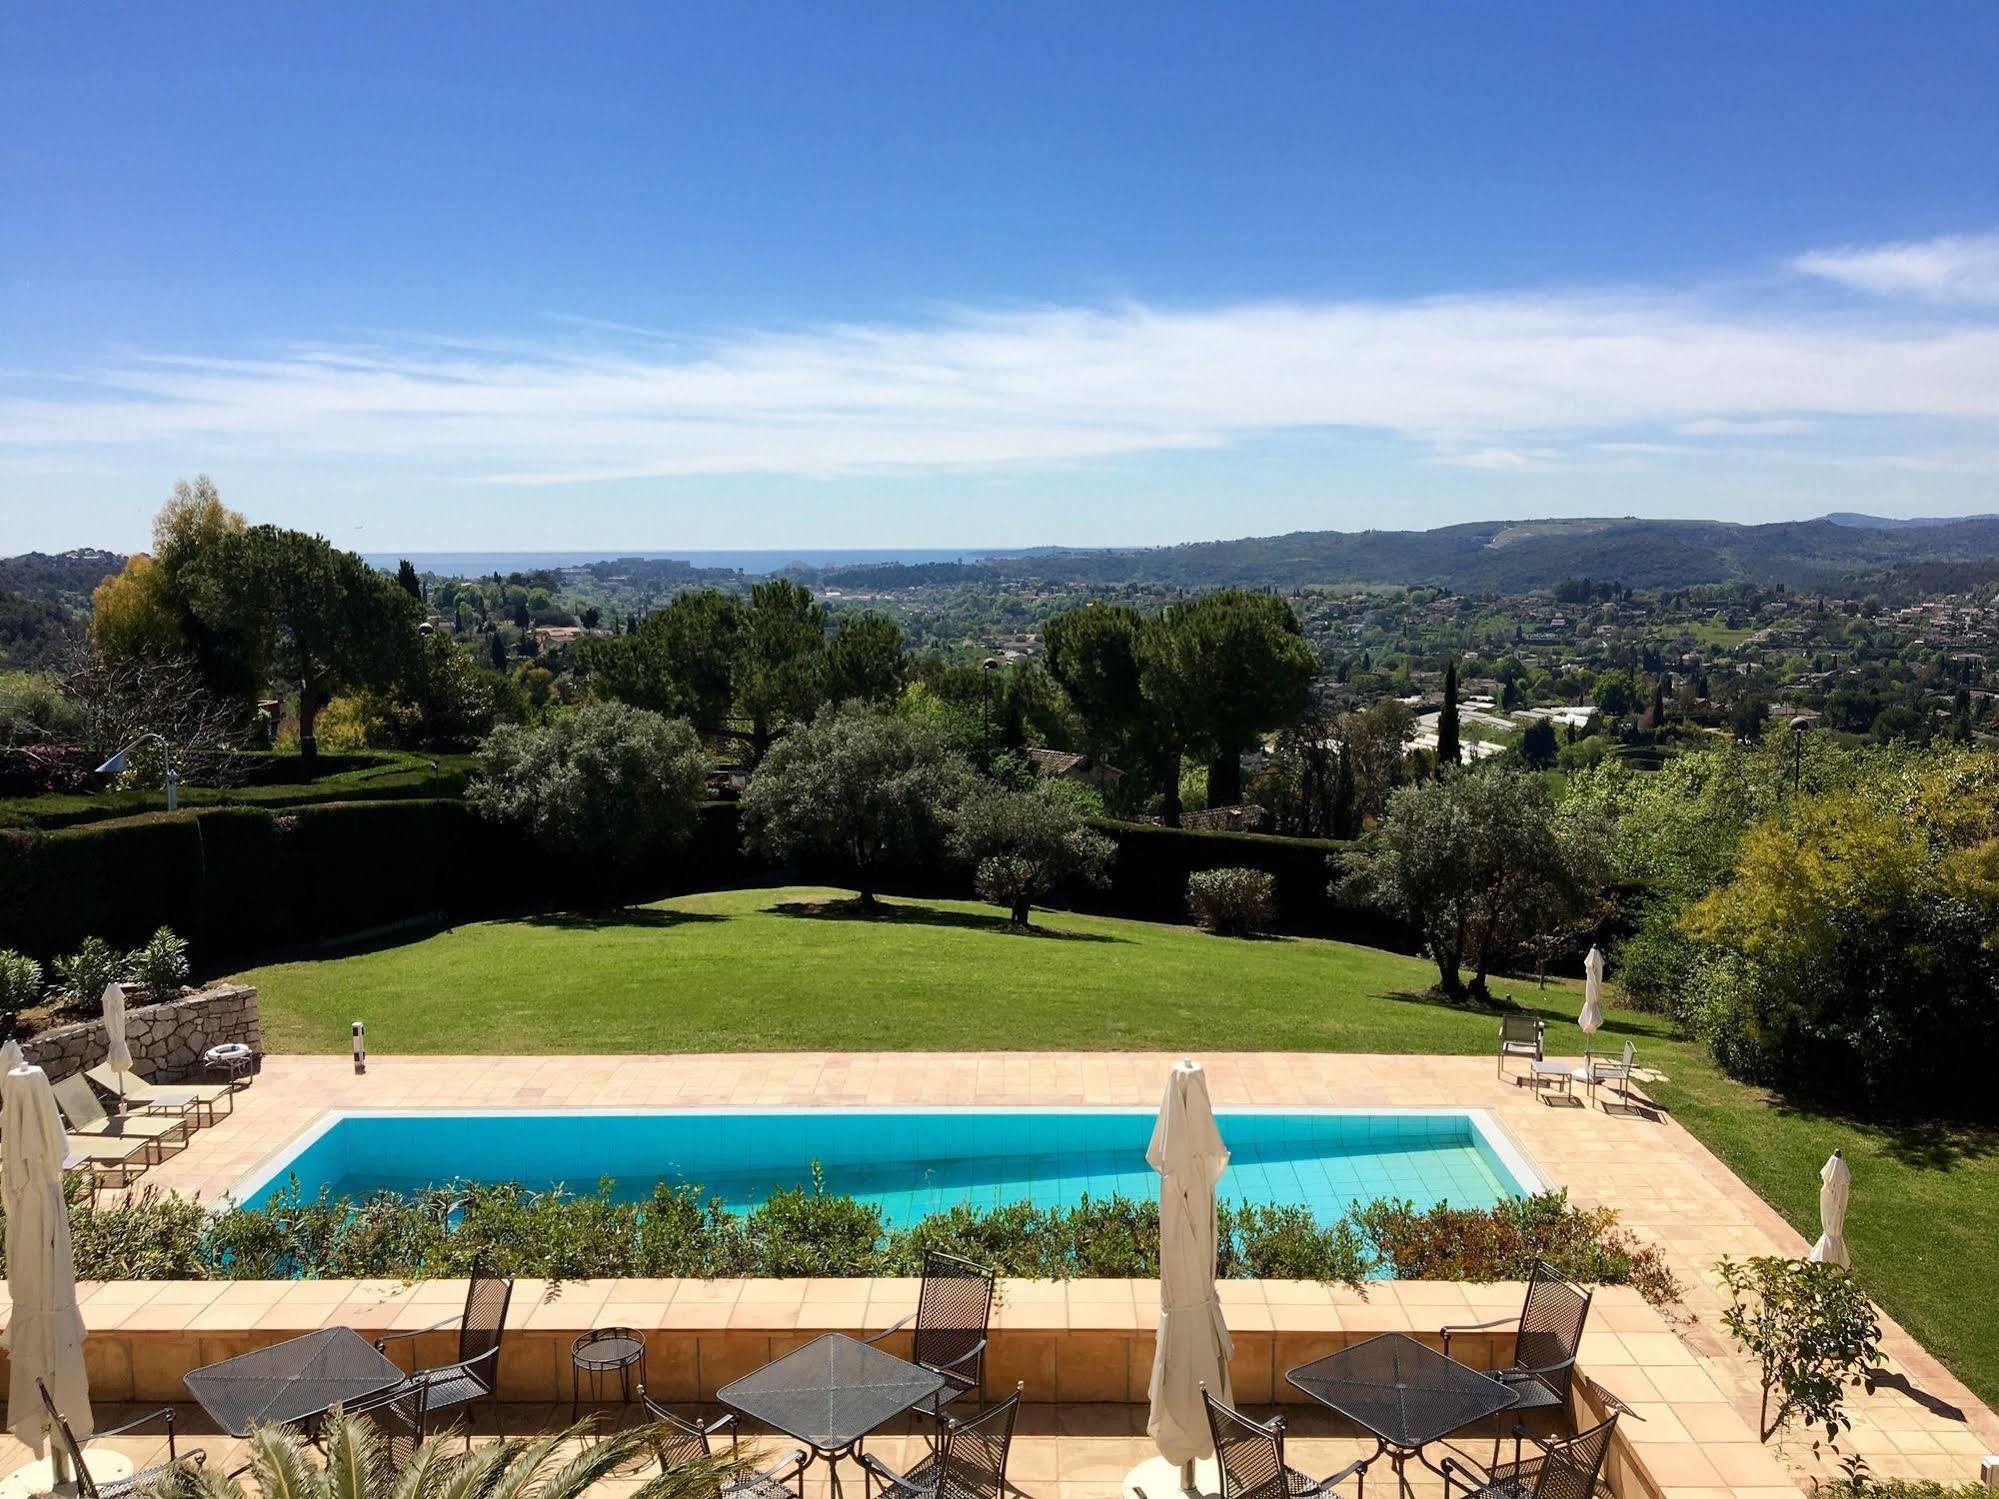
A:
(769, 275)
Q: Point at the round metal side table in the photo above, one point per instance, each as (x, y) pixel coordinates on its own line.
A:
(602, 1351)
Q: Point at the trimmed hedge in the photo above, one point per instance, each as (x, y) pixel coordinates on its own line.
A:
(235, 879)
(270, 781)
(1149, 879)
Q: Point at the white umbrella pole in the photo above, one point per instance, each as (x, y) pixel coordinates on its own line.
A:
(45, 1332)
(1193, 1348)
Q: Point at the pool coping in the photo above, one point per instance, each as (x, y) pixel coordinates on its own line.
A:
(1485, 1124)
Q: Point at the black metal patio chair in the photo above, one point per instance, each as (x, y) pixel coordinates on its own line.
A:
(1548, 1332)
(953, 1317)
(969, 1461)
(397, 1416)
(119, 1488)
(1251, 1457)
(472, 1376)
(680, 1444)
(1553, 1470)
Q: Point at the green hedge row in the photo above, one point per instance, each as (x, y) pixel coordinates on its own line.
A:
(236, 879)
(270, 781)
(1149, 878)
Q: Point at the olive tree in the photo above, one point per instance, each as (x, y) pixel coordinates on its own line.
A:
(607, 781)
(1478, 864)
(1023, 844)
(859, 788)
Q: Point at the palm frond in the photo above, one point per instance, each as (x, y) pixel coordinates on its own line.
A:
(279, 1465)
(474, 1477)
(186, 1482)
(427, 1473)
(703, 1478)
(354, 1458)
(522, 1475)
(598, 1459)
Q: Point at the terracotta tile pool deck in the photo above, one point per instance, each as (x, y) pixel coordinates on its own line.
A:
(1667, 1187)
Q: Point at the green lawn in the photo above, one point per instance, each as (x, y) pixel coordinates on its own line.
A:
(793, 969)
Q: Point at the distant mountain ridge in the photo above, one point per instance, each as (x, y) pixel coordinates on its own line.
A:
(1888, 523)
(1520, 556)
(59, 577)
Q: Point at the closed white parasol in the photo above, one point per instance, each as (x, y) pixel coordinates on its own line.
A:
(1194, 1347)
(119, 1054)
(1835, 1188)
(45, 1329)
(1590, 1021)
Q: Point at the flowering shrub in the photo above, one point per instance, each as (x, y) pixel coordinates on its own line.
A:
(680, 1232)
(20, 986)
(1505, 1242)
(161, 965)
(84, 974)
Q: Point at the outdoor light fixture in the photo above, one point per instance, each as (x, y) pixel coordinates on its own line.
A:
(116, 765)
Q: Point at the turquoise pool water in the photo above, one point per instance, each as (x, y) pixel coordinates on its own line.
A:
(908, 1162)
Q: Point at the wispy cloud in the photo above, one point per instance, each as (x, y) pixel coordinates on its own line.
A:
(1771, 426)
(1951, 268)
(1503, 460)
(1494, 382)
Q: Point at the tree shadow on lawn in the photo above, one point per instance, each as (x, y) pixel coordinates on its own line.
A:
(1921, 1144)
(620, 916)
(1436, 1000)
(1932, 1145)
(896, 914)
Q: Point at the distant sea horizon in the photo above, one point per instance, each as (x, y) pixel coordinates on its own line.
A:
(482, 564)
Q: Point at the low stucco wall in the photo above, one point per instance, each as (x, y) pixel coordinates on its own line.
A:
(167, 1040)
(1068, 1342)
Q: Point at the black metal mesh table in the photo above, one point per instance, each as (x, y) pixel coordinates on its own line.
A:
(1402, 1392)
(830, 1393)
(295, 1381)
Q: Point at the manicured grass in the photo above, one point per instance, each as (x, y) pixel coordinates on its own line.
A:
(1925, 1219)
(794, 969)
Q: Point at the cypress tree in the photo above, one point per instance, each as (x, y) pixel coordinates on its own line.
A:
(1447, 721)
(1345, 821)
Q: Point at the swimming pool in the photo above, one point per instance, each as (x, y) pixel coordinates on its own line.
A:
(909, 1162)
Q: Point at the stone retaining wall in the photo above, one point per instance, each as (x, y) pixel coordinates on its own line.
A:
(167, 1040)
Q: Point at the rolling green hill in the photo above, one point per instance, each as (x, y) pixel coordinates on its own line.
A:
(1519, 556)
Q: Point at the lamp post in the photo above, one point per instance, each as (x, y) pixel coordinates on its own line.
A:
(989, 666)
(117, 763)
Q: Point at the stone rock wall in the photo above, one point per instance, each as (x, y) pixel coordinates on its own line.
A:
(167, 1040)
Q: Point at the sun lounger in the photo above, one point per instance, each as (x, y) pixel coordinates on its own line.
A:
(110, 1162)
(86, 1116)
(183, 1099)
